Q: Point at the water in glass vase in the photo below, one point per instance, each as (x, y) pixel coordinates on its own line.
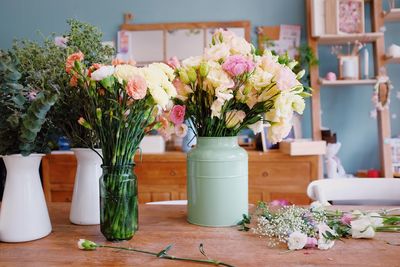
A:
(118, 202)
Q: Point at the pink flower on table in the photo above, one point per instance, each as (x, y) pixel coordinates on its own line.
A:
(177, 115)
(136, 87)
(279, 202)
(312, 242)
(173, 62)
(346, 218)
(237, 65)
(78, 56)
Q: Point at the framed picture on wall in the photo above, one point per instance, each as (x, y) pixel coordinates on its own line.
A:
(146, 43)
(344, 16)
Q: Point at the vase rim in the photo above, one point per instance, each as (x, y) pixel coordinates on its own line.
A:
(21, 156)
(216, 137)
(85, 149)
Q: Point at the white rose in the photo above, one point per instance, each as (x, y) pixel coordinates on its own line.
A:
(165, 68)
(257, 127)
(216, 107)
(102, 72)
(239, 45)
(324, 243)
(125, 72)
(285, 79)
(260, 78)
(218, 77)
(362, 228)
(375, 219)
(217, 52)
(234, 118)
(159, 95)
(270, 63)
(192, 62)
(297, 240)
(279, 130)
(298, 103)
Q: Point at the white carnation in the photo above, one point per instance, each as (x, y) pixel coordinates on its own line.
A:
(217, 52)
(125, 72)
(297, 240)
(362, 228)
(102, 72)
(192, 62)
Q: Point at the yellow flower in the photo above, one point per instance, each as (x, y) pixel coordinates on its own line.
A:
(126, 72)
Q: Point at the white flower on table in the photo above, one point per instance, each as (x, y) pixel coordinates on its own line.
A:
(362, 228)
(317, 205)
(324, 243)
(85, 244)
(297, 240)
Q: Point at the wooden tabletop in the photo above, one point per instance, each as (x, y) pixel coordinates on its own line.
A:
(163, 225)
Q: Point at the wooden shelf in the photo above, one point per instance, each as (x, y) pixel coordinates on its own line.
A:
(392, 60)
(392, 15)
(347, 82)
(333, 39)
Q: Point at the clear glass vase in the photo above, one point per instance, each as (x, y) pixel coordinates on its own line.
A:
(118, 202)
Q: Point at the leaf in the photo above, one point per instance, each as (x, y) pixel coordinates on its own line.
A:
(163, 252)
(19, 100)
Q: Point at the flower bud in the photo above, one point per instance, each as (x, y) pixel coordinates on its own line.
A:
(292, 64)
(184, 76)
(192, 74)
(98, 114)
(300, 74)
(204, 69)
(84, 123)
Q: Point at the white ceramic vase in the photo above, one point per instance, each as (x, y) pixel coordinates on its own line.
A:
(85, 207)
(23, 214)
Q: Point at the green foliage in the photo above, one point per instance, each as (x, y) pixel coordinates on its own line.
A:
(69, 108)
(307, 59)
(23, 112)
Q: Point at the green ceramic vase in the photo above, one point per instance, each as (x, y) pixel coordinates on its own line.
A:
(217, 187)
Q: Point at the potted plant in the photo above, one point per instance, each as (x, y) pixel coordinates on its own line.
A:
(123, 103)
(227, 89)
(26, 96)
(85, 206)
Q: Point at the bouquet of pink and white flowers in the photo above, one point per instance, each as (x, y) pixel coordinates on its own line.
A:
(231, 87)
(121, 104)
(317, 226)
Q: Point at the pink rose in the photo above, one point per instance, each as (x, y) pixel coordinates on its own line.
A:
(173, 62)
(177, 115)
(237, 65)
(312, 242)
(136, 87)
(346, 218)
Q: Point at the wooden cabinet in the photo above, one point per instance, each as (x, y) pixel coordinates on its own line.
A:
(272, 175)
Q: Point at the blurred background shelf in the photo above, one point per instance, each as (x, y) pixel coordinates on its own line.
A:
(393, 15)
(332, 39)
(347, 82)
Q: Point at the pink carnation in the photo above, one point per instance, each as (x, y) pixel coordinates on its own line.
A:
(311, 242)
(136, 87)
(173, 62)
(177, 115)
(346, 218)
(237, 65)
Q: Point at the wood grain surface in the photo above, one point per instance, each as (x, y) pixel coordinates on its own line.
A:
(163, 225)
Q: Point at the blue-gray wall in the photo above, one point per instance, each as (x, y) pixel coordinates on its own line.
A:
(345, 109)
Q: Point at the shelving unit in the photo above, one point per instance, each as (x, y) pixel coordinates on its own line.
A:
(377, 39)
(392, 15)
(333, 39)
(347, 82)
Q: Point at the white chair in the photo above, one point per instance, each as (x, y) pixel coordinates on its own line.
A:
(356, 191)
(168, 202)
